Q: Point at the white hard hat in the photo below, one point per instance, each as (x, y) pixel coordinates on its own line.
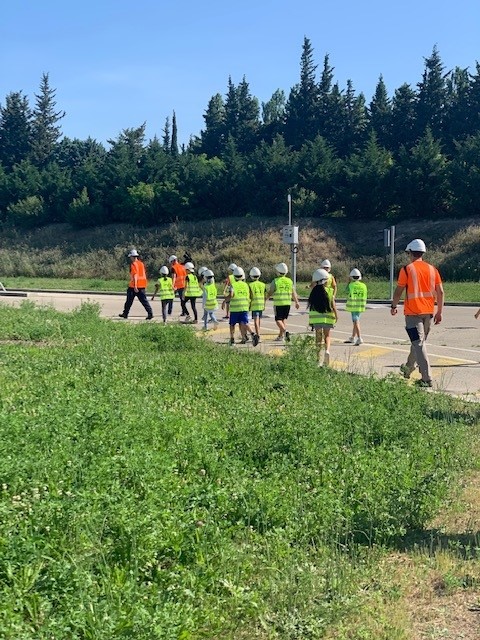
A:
(326, 264)
(320, 275)
(255, 272)
(189, 266)
(232, 267)
(416, 245)
(238, 272)
(208, 273)
(355, 273)
(202, 270)
(133, 254)
(281, 267)
(172, 258)
(164, 271)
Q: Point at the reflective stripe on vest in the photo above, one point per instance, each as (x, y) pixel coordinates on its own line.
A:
(211, 299)
(258, 295)
(315, 318)
(282, 296)
(192, 288)
(241, 297)
(327, 318)
(356, 297)
(165, 288)
(413, 289)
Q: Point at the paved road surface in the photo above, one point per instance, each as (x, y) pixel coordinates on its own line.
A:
(453, 346)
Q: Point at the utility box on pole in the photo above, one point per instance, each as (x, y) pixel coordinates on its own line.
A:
(290, 234)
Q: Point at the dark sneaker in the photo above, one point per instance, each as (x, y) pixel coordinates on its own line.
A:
(405, 371)
(232, 342)
(424, 384)
(287, 336)
(122, 315)
(255, 339)
(149, 317)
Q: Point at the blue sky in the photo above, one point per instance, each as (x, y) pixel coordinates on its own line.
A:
(116, 64)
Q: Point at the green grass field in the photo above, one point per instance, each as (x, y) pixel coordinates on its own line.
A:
(157, 486)
(468, 292)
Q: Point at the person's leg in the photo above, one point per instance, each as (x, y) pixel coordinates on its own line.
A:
(170, 307)
(327, 339)
(128, 302)
(418, 328)
(145, 303)
(181, 295)
(232, 331)
(165, 305)
(205, 319)
(193, 302)
(318, 341)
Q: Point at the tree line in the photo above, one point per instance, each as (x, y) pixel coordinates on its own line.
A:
(412, 155)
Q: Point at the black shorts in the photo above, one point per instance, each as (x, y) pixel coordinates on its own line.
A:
(281, 313)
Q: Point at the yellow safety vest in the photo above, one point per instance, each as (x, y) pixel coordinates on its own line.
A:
(356, 297)
(326, 319)
(258, 295)
(165, 286)
(211, 296)
(192, 288)
(241, 297)
(282, 295)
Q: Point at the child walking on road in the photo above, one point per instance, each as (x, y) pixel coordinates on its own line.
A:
(165, 285)
(322, 313)
(356, 304)
(209, 300)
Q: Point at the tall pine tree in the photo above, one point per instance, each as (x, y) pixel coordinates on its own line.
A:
(46, 131)
(15, 130)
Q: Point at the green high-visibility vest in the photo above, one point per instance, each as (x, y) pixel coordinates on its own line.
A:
(323, 319)
(356, 297)
(211, 296)
(329, 284)
(192, 288)
(282, 295)
(165, 288)
(258, 295)
(241, 297)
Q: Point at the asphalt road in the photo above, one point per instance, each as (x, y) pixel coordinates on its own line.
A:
(453, 346)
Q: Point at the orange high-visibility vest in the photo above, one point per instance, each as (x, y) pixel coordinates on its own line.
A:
(137, 268)
(420, 280)
(180, 275)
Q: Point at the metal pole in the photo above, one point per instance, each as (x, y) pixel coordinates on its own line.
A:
(292, 246)
(392, 258)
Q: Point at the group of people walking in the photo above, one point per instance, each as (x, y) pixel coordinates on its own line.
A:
(420, 281)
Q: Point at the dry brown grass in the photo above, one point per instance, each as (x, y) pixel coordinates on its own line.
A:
(60, 251)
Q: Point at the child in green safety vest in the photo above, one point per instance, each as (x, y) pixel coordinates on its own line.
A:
(210, 303)
(164, 286)
(258, 292)
(356, 304)
(322, 313)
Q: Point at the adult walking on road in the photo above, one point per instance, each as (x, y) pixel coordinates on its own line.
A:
(136, 286)
(178, 273)
(422, 285)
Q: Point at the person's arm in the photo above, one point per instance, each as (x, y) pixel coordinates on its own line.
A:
(334, 286)
(397, 294)
(135, 277)
(156, 290)
(440, 298)
(295, 299)
(334, 307)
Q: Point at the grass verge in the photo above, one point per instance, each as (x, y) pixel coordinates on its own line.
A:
(155, 485)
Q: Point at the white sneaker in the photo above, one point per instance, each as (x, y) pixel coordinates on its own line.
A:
(351, 340)
(279, 339)
(358, 341)
(326, 361)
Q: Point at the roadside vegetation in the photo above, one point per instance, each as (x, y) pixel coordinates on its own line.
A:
(155, 485)
(59, 257)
